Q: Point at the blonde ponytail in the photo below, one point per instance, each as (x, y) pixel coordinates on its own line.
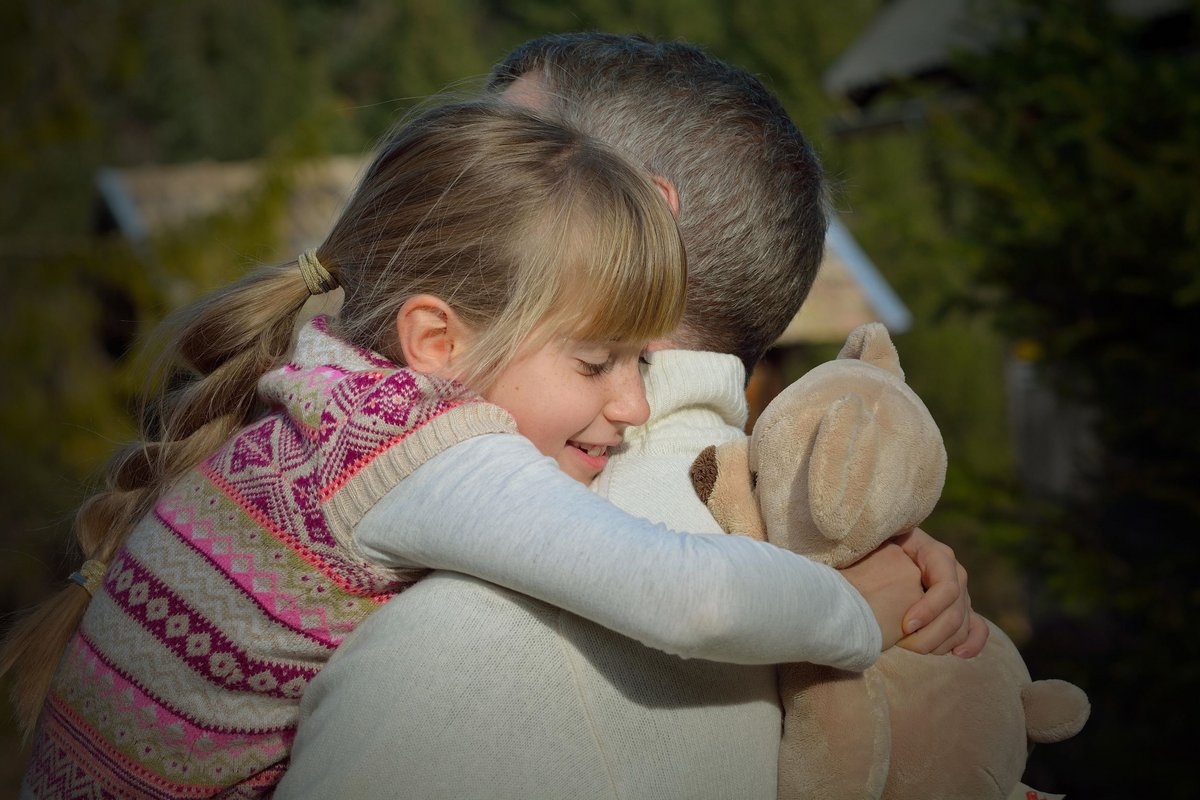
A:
(206, 378)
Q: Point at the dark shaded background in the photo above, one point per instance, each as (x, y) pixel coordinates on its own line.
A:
(1040, 217)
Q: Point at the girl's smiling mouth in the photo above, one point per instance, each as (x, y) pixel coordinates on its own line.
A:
(592, 450)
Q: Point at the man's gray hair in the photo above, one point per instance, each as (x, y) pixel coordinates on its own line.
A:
(752, 198)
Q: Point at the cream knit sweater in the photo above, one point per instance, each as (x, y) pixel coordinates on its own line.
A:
(461, 689)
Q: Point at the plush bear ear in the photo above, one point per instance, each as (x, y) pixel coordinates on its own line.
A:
(842, 467)
(722, 479)
(872, 344)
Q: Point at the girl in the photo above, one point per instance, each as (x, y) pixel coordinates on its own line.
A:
(485, 248)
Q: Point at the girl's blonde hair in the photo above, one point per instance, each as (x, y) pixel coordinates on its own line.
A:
(516, 222)
(523, 226)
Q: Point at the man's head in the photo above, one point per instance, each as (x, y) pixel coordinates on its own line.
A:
(752, 202)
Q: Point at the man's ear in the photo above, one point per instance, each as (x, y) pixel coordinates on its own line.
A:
(432, 337)
(669, 192)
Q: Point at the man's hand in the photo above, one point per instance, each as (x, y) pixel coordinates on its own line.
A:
(942, 620)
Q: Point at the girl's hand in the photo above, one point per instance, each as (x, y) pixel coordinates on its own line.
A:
(890, 581)
(942, 621)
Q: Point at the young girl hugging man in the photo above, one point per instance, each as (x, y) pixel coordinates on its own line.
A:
(502, 274)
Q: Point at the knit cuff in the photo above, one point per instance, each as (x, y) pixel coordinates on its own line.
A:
(469, 419)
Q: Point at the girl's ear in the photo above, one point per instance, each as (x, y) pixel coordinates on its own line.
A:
(431, 335)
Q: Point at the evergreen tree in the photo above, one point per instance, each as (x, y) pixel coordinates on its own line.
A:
(1081, 172)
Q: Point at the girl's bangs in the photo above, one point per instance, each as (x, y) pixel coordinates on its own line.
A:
(627, 274)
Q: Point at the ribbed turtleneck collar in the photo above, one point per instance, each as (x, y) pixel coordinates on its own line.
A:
(689, 380)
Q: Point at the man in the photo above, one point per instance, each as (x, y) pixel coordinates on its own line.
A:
(461, 689)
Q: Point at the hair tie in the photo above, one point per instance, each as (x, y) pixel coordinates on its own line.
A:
(316, 277)
(90, 575)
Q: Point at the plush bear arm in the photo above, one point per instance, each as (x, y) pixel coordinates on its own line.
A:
(1054, 710)
(837, 737)
(723, 482)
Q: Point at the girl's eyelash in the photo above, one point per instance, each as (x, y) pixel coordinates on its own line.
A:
(593, 370)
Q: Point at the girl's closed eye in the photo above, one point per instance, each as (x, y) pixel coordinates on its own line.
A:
(594, 369)
(594, 358)
(597, 363)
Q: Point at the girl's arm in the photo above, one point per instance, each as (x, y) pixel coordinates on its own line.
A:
(495, 508)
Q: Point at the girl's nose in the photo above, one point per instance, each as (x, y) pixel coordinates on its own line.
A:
(628, 406)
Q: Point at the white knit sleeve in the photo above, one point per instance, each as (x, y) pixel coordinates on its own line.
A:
(495, 508)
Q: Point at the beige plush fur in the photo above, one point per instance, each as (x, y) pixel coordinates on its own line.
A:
(842, 460)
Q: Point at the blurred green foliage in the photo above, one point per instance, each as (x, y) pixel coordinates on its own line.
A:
(1077, 178)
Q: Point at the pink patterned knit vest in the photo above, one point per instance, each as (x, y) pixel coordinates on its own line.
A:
(184, 678)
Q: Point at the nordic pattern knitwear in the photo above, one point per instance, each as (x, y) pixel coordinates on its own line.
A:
(185, 676)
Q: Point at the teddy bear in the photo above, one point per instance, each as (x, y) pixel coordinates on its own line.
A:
(842, 460)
